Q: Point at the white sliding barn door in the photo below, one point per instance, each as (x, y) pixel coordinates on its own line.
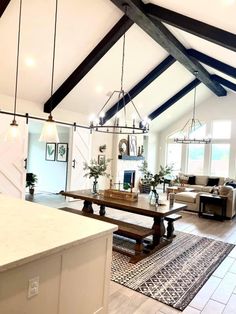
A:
(12, 159)
(80, 152)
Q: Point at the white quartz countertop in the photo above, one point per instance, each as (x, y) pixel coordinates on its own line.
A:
(29, 231)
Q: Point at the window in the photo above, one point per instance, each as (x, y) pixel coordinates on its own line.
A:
(174, 157)
(221, 129)
(220, 159)
(195, 158)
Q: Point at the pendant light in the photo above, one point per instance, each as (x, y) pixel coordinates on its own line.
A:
(187, 135)
(49, 131)
(136, 125)
(13, 132)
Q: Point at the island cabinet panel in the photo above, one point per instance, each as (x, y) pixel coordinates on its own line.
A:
(14, 287)
(85, 278)
(75, 280)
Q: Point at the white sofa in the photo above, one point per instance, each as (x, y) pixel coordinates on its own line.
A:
(201, 182)
(191, 199)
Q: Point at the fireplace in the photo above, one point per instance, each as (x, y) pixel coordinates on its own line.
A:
(129, 177)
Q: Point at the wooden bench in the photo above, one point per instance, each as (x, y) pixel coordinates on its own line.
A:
(170, 227)
(125, 229)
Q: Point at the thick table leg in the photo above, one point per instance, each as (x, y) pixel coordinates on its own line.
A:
(159, 230)
(88, 208)
(170, 230)
(102, 211)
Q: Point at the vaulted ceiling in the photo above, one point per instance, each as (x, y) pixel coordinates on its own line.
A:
(163, 48)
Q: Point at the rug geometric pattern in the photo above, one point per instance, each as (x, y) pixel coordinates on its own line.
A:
(174, 274)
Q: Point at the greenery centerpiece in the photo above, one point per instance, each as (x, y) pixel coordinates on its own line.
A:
(149, 181)
(95, 170)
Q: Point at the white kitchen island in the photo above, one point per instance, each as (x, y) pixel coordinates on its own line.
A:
(66, 257)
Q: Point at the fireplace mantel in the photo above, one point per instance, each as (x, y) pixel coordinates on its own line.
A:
(127, 157)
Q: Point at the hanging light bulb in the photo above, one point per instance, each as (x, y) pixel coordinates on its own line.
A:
(13, 133)
(49, 132)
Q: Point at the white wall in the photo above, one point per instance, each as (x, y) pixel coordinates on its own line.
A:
(99, 139)
(215, 108)
(51, 174)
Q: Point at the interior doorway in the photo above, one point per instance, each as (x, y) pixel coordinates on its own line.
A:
(48, 161)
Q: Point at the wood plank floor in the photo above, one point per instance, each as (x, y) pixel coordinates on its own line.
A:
(218, 295)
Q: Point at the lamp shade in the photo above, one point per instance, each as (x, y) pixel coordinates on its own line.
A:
(13, 133)
(49, 132)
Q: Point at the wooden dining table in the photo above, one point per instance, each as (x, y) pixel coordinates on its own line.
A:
(140, 207)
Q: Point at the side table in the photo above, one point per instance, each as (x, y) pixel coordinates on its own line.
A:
(220, 201)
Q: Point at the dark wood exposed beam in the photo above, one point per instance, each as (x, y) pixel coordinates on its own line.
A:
(224, 82)
(88, 63)
(212, 62)
(195, 27)
(170, 102)
(148, 79)
(158, 31)
(3, 6)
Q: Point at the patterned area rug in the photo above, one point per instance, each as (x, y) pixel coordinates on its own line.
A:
(176, 273)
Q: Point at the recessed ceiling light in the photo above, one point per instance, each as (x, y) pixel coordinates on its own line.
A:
(99, 88)
(30, 62)
(228, 2)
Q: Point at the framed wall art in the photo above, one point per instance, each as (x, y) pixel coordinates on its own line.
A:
(101, 159)
(50, 151)
(62, 150)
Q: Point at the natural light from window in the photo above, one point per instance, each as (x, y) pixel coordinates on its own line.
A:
(220, 159)
(174, 157)
(195, 158)
(221, 129)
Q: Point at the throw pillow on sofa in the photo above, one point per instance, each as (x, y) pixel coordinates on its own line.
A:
(231, 183)
(213, 181)
(192, 180)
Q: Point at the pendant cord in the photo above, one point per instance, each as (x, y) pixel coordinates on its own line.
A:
(194, 103)
(53, 56)
(17, 61)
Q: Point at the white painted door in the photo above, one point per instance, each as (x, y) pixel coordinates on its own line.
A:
(80, 152)
(12, 157)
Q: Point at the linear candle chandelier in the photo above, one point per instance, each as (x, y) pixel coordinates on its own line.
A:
(187, 135)
(136, 125)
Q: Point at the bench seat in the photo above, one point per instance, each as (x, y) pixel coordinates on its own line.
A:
(125, 229)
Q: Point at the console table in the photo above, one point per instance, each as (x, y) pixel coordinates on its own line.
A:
(220, 201)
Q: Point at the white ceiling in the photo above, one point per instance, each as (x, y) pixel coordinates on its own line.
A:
(81, 25)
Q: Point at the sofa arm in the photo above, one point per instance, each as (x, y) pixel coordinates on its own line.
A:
(231, 203)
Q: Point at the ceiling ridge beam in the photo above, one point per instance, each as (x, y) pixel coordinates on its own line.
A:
(224, 82)
(3, 6)
(190, 25)
(212, 62)
(139, 87)
(89, 62)
(171, 101)
(159, 32)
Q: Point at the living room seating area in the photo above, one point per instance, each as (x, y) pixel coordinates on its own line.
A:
(205, 185)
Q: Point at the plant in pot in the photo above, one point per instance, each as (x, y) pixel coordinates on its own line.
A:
(157, 179)
(145, 181)
(95, 170)
(31, 179)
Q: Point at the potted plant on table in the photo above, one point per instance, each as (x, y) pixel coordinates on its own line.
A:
(95, 170)
(31, 179)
